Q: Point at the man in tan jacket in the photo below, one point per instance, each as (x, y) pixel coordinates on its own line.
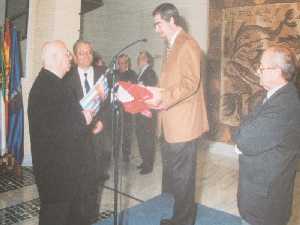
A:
(182, 113)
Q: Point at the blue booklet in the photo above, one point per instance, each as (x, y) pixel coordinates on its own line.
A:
(92, 100)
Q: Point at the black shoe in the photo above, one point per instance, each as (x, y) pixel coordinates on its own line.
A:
(145, 170)
(166, 222)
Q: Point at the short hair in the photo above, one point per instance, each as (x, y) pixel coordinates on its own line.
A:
(147, 55)
(126, 57)
(97, 57)
(81, 41)
(285, 59)
(167, 11)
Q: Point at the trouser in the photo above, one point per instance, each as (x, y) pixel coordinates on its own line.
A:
(179, 169)
(80, 210)
(244, 222)
(145, 133)
(127, 135)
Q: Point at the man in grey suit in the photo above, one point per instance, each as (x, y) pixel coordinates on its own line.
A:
(268, 142)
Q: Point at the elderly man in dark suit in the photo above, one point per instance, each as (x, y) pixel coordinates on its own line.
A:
(145, 127)
(57, 125)
(80, 80)
(268, 142)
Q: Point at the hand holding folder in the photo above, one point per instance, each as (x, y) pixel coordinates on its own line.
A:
(133, 98)
(92, 100)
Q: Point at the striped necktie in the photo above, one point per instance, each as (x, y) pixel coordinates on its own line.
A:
(86, 83)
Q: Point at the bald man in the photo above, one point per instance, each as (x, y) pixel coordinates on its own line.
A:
(268, 142)
(57, 124)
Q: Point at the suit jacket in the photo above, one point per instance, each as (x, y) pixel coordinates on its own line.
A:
(269, 140)
(56, 127)
(72, 81)
(148, 77)
(185, 118)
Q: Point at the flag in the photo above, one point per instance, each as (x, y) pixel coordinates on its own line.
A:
(15, 139)
(6, 58)
(2, 108)
(7, 67)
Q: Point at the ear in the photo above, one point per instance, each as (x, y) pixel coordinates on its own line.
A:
(172, 20)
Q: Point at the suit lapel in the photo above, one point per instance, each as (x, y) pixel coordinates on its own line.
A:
(141, 76)
(277, 94)
(169, 62)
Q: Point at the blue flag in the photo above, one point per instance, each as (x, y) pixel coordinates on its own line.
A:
(15, 138)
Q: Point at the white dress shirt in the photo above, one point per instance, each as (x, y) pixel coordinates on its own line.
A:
(90, 77)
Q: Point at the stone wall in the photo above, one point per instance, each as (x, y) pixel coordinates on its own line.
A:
(239, 31)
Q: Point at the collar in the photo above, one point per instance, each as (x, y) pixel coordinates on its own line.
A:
(83, 71)
(173, 38)
(273, 90)
(142, 71)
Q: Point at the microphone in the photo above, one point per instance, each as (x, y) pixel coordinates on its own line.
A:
(131, 44)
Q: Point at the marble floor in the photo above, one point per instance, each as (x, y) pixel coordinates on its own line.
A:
(216, 187)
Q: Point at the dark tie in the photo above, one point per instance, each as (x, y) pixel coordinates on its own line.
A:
(86, 83)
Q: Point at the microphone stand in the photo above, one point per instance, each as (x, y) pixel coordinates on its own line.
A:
(117, 125)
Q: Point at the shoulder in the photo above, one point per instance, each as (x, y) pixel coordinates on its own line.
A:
(71, 75)
(188, 44)
(99, 70)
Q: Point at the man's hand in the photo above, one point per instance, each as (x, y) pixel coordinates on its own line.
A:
(88, 115)
(156, 101)
(101, 91)
(98, 127)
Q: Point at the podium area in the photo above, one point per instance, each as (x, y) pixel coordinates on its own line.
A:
(139, 195)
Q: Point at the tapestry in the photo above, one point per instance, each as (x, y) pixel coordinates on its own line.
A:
(247, 32)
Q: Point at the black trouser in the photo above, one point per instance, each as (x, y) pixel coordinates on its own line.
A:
(127, 134)
(145, 133)
(179, 169)
(79, 209)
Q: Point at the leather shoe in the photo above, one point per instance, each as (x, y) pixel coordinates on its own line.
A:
(145, 170)
(166, 222)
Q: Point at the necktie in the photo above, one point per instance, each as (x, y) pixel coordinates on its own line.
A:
(86, 83)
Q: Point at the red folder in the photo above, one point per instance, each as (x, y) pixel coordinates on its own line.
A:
(139, 95)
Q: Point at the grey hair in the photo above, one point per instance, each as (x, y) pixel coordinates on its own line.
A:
(285, 59)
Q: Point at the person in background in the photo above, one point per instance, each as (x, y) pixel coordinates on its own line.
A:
(99, 61)
(57, 124)
(80, 80)
(145, 127)
(125, 73)
(182, 117)
(268, 141)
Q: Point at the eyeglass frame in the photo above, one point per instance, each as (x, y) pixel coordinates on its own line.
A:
(261, 69)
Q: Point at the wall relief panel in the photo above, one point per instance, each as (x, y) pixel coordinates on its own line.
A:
(246, 33)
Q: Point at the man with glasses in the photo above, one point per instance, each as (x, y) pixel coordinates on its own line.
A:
(182, 117)
(268, 142)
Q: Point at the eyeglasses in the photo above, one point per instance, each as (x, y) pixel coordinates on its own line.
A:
(261, 69)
